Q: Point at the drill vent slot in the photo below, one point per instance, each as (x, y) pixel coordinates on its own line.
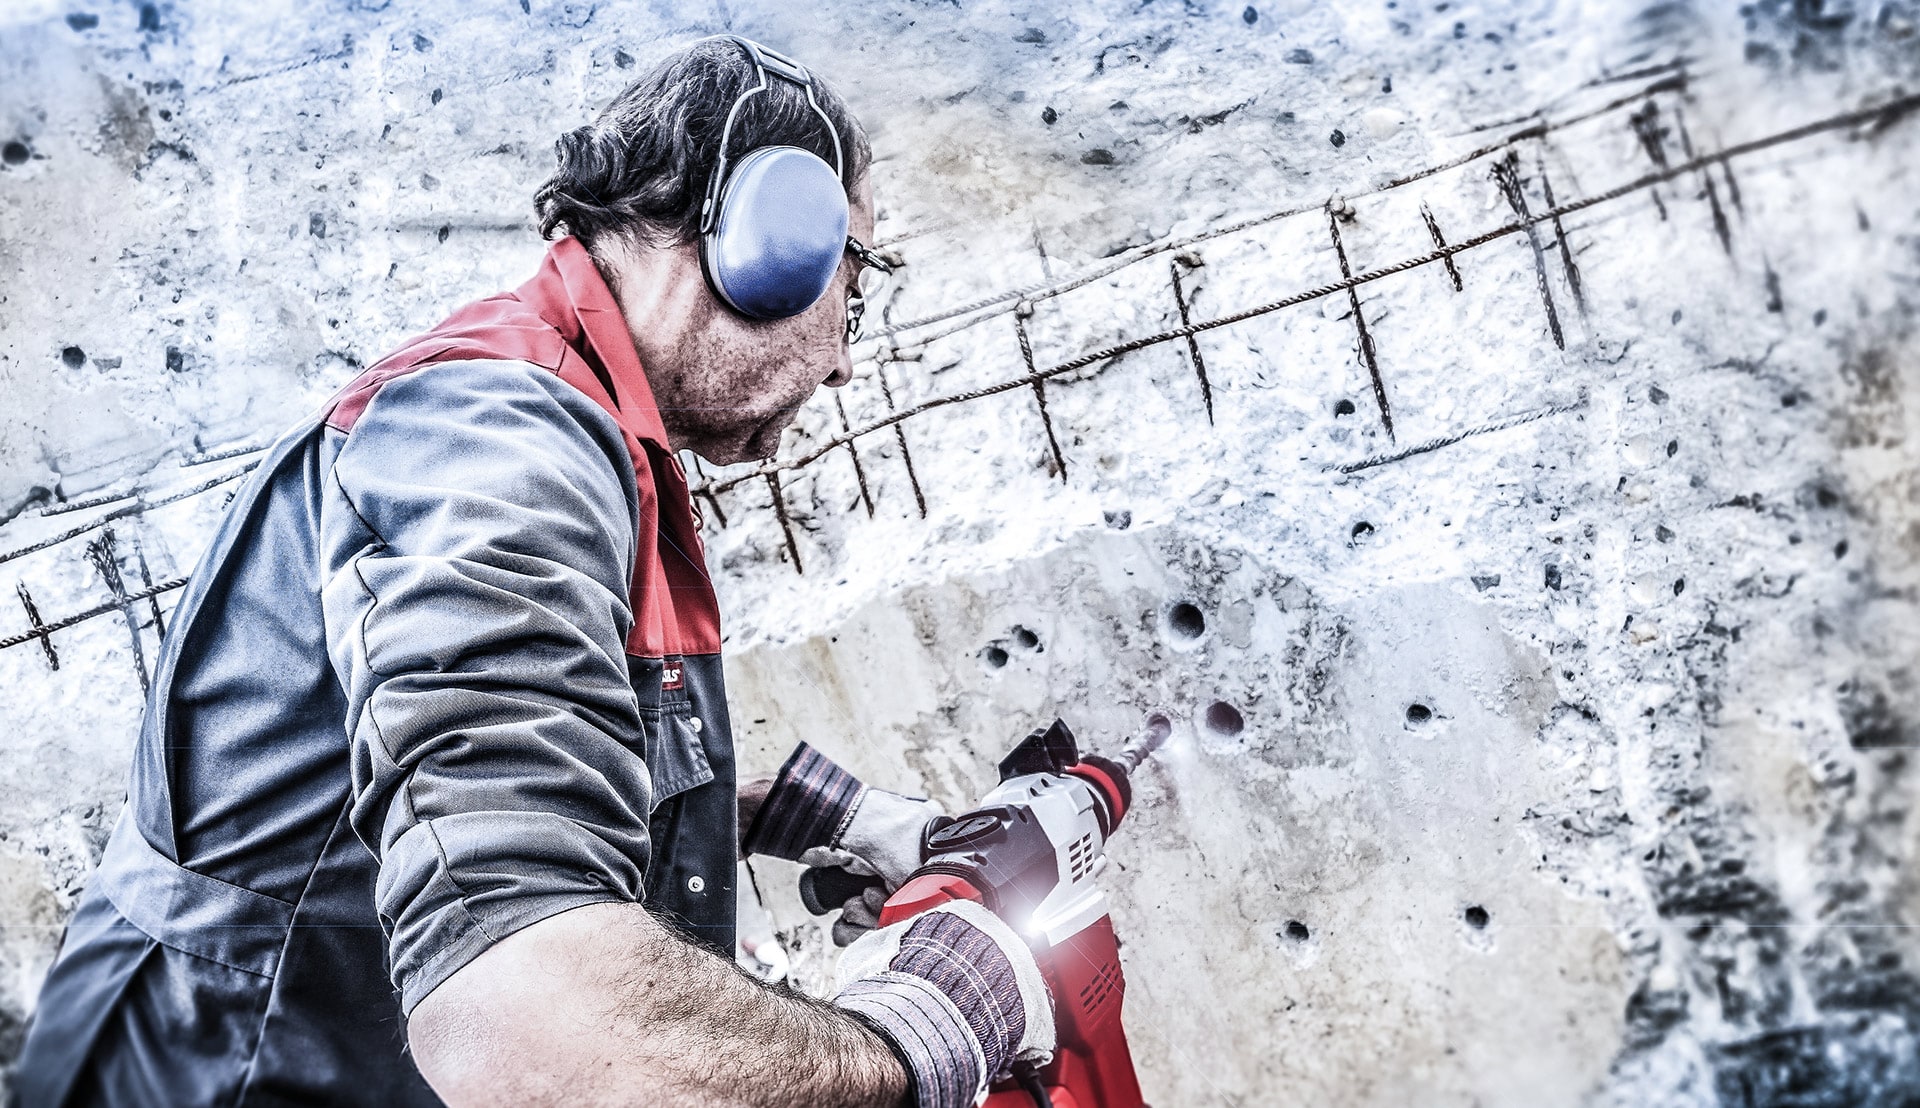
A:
(1080, 858)
(1095, 994)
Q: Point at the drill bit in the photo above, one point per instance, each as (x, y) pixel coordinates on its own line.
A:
(1149, 740)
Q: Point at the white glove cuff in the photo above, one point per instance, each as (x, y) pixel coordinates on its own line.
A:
(956, 993)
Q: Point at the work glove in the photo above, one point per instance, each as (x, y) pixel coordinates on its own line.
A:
(820, 815)
(881, 837)
(957, 995)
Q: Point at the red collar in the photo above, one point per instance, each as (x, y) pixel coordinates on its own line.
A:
(566, 320)
(574, 299)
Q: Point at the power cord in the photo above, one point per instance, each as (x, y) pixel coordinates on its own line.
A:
(1028, 1079)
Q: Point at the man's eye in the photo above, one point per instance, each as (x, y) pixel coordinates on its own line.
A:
(856, 308)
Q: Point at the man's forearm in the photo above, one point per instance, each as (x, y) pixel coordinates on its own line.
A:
(603, 1005)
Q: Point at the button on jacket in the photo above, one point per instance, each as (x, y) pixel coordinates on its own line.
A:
(450, 666)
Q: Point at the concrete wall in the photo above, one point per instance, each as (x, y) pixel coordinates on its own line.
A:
(1552, 747)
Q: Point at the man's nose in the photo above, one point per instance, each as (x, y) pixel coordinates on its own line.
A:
(842, 370)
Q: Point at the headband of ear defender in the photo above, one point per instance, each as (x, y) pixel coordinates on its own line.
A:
(774, 227)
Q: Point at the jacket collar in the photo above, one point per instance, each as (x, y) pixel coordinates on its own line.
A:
(571, 296)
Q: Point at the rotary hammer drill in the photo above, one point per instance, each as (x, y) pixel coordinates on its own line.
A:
(1031, 851)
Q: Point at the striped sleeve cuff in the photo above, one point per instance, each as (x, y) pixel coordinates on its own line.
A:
(969, 968)
(809, 804)
(927, 1033)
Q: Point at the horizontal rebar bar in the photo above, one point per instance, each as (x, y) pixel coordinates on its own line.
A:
(1887, 112)
(46, 629)
(222, 454)
(1487, 428)
(132, 509)
(1047, 289)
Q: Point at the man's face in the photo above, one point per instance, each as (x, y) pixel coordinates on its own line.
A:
(744, 381)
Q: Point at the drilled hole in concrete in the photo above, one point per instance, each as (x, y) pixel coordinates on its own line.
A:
(1476, 917)
(994, 656)
(1225, 719)
(1297, 931)
(1361, 530)
(1186, 622)
(1025, 639)
(1344, 407)
(1418, 715)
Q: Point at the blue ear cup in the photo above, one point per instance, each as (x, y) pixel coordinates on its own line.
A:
(780, 233)
(773, 226)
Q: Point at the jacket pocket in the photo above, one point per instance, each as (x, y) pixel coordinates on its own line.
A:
(676, 758)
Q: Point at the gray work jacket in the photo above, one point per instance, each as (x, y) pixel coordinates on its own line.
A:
(397, 717)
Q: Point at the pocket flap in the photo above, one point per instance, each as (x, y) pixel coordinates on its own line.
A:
(676, 758)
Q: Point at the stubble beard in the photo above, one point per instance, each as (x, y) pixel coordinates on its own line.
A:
(764, 443)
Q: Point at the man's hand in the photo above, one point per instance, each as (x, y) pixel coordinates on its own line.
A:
(881, 839)
(602, 1005)
(957, 993)
(818, 814)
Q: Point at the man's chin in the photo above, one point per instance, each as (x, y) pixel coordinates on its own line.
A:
(764, 443)
(752, 450)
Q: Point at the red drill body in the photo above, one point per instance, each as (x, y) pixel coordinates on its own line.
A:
(1032, 851)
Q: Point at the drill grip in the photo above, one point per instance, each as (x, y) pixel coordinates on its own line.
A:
(826, 888)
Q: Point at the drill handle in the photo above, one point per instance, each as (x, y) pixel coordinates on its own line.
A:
(826, 888)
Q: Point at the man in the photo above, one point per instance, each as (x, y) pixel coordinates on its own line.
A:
(434, 797)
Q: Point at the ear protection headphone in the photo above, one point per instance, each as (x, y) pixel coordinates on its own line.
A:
(774, 227)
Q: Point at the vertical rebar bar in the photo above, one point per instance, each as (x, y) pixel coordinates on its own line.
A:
(1506, 173)
(859, 471)
(1440, 243)
(106, 561)
(34, 621)
(786, 524)
(1193, 344)
(1039, 387)
(1367, 356)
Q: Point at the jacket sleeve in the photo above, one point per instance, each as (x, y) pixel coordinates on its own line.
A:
(479, 539)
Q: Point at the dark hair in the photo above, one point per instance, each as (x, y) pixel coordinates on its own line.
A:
(641, 168)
